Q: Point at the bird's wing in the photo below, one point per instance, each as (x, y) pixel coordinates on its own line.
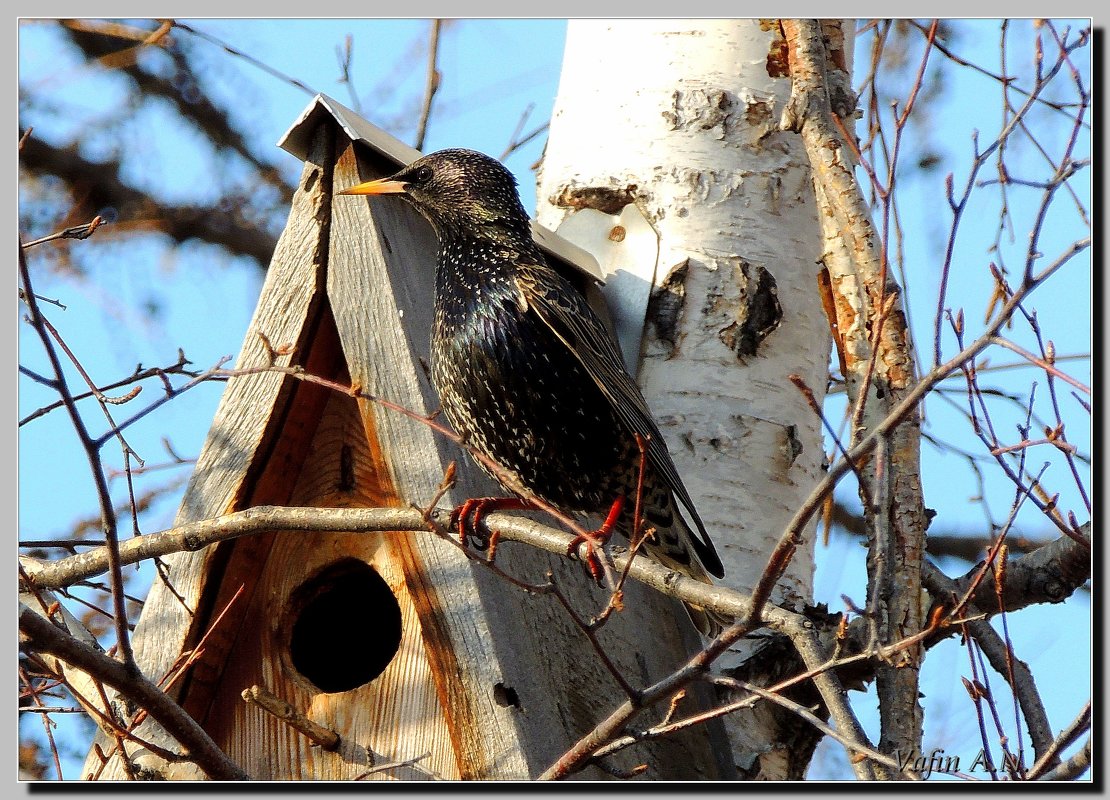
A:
(565, 311)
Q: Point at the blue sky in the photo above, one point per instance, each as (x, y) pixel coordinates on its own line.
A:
(493, 70)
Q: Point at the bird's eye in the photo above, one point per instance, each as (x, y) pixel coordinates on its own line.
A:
(422, 175)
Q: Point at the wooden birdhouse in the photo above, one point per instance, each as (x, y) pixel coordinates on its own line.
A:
(419, 663)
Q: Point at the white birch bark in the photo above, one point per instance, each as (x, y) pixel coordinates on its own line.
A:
(680, 116)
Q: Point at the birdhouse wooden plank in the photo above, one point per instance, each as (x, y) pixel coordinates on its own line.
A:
(397, 643)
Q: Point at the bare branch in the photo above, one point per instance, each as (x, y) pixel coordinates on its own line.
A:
(1049, 574)
(98, 185)
(346, 56)
(1080, 725)
(878, 357)
(275, 706)
(432, 84)
(851, 745)
(92, 453)
(177, 368)
(1073, 767)
(184, 90)
(40, 635)
(75, 232)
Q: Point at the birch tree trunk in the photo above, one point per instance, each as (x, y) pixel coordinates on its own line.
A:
(679, 118)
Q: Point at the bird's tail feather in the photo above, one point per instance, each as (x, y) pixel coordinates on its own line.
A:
(709, 623)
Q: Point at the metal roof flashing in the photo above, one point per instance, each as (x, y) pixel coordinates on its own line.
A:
(297, 139)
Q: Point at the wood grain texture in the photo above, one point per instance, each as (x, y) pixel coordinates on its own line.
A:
(289, 302)
(394, 717)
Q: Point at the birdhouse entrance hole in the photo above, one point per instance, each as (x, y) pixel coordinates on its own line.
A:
(343, 628)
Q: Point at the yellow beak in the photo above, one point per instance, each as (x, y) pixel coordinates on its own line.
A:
(380, 186)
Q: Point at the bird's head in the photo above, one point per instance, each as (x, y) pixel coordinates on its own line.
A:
(461, 192)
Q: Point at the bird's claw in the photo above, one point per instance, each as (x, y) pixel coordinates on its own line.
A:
(594, 540)
(468, 520)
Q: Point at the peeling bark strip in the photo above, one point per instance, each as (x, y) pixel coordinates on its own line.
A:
(778, 57)
(878, 362)
(828, 302)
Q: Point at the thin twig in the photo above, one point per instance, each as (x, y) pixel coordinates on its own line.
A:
(1040, 362)
(817, 722)
(177, 368)
(40, 635)
(249, 59)
(791, 536)
(345, 57)
(516, 141)
(1073, 767)
(1080, 725)
(92, 453)
(326, 738)
(75, 232)
(379, 768)
(431, 85)
(1023, 685)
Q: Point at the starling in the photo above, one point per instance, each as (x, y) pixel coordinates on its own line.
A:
(528, 375)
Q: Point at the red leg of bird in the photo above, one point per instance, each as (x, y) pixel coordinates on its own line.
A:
(491, 545)
(594, 539)
(466, 517)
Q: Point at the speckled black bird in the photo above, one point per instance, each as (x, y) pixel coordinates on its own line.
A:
(527, 373)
